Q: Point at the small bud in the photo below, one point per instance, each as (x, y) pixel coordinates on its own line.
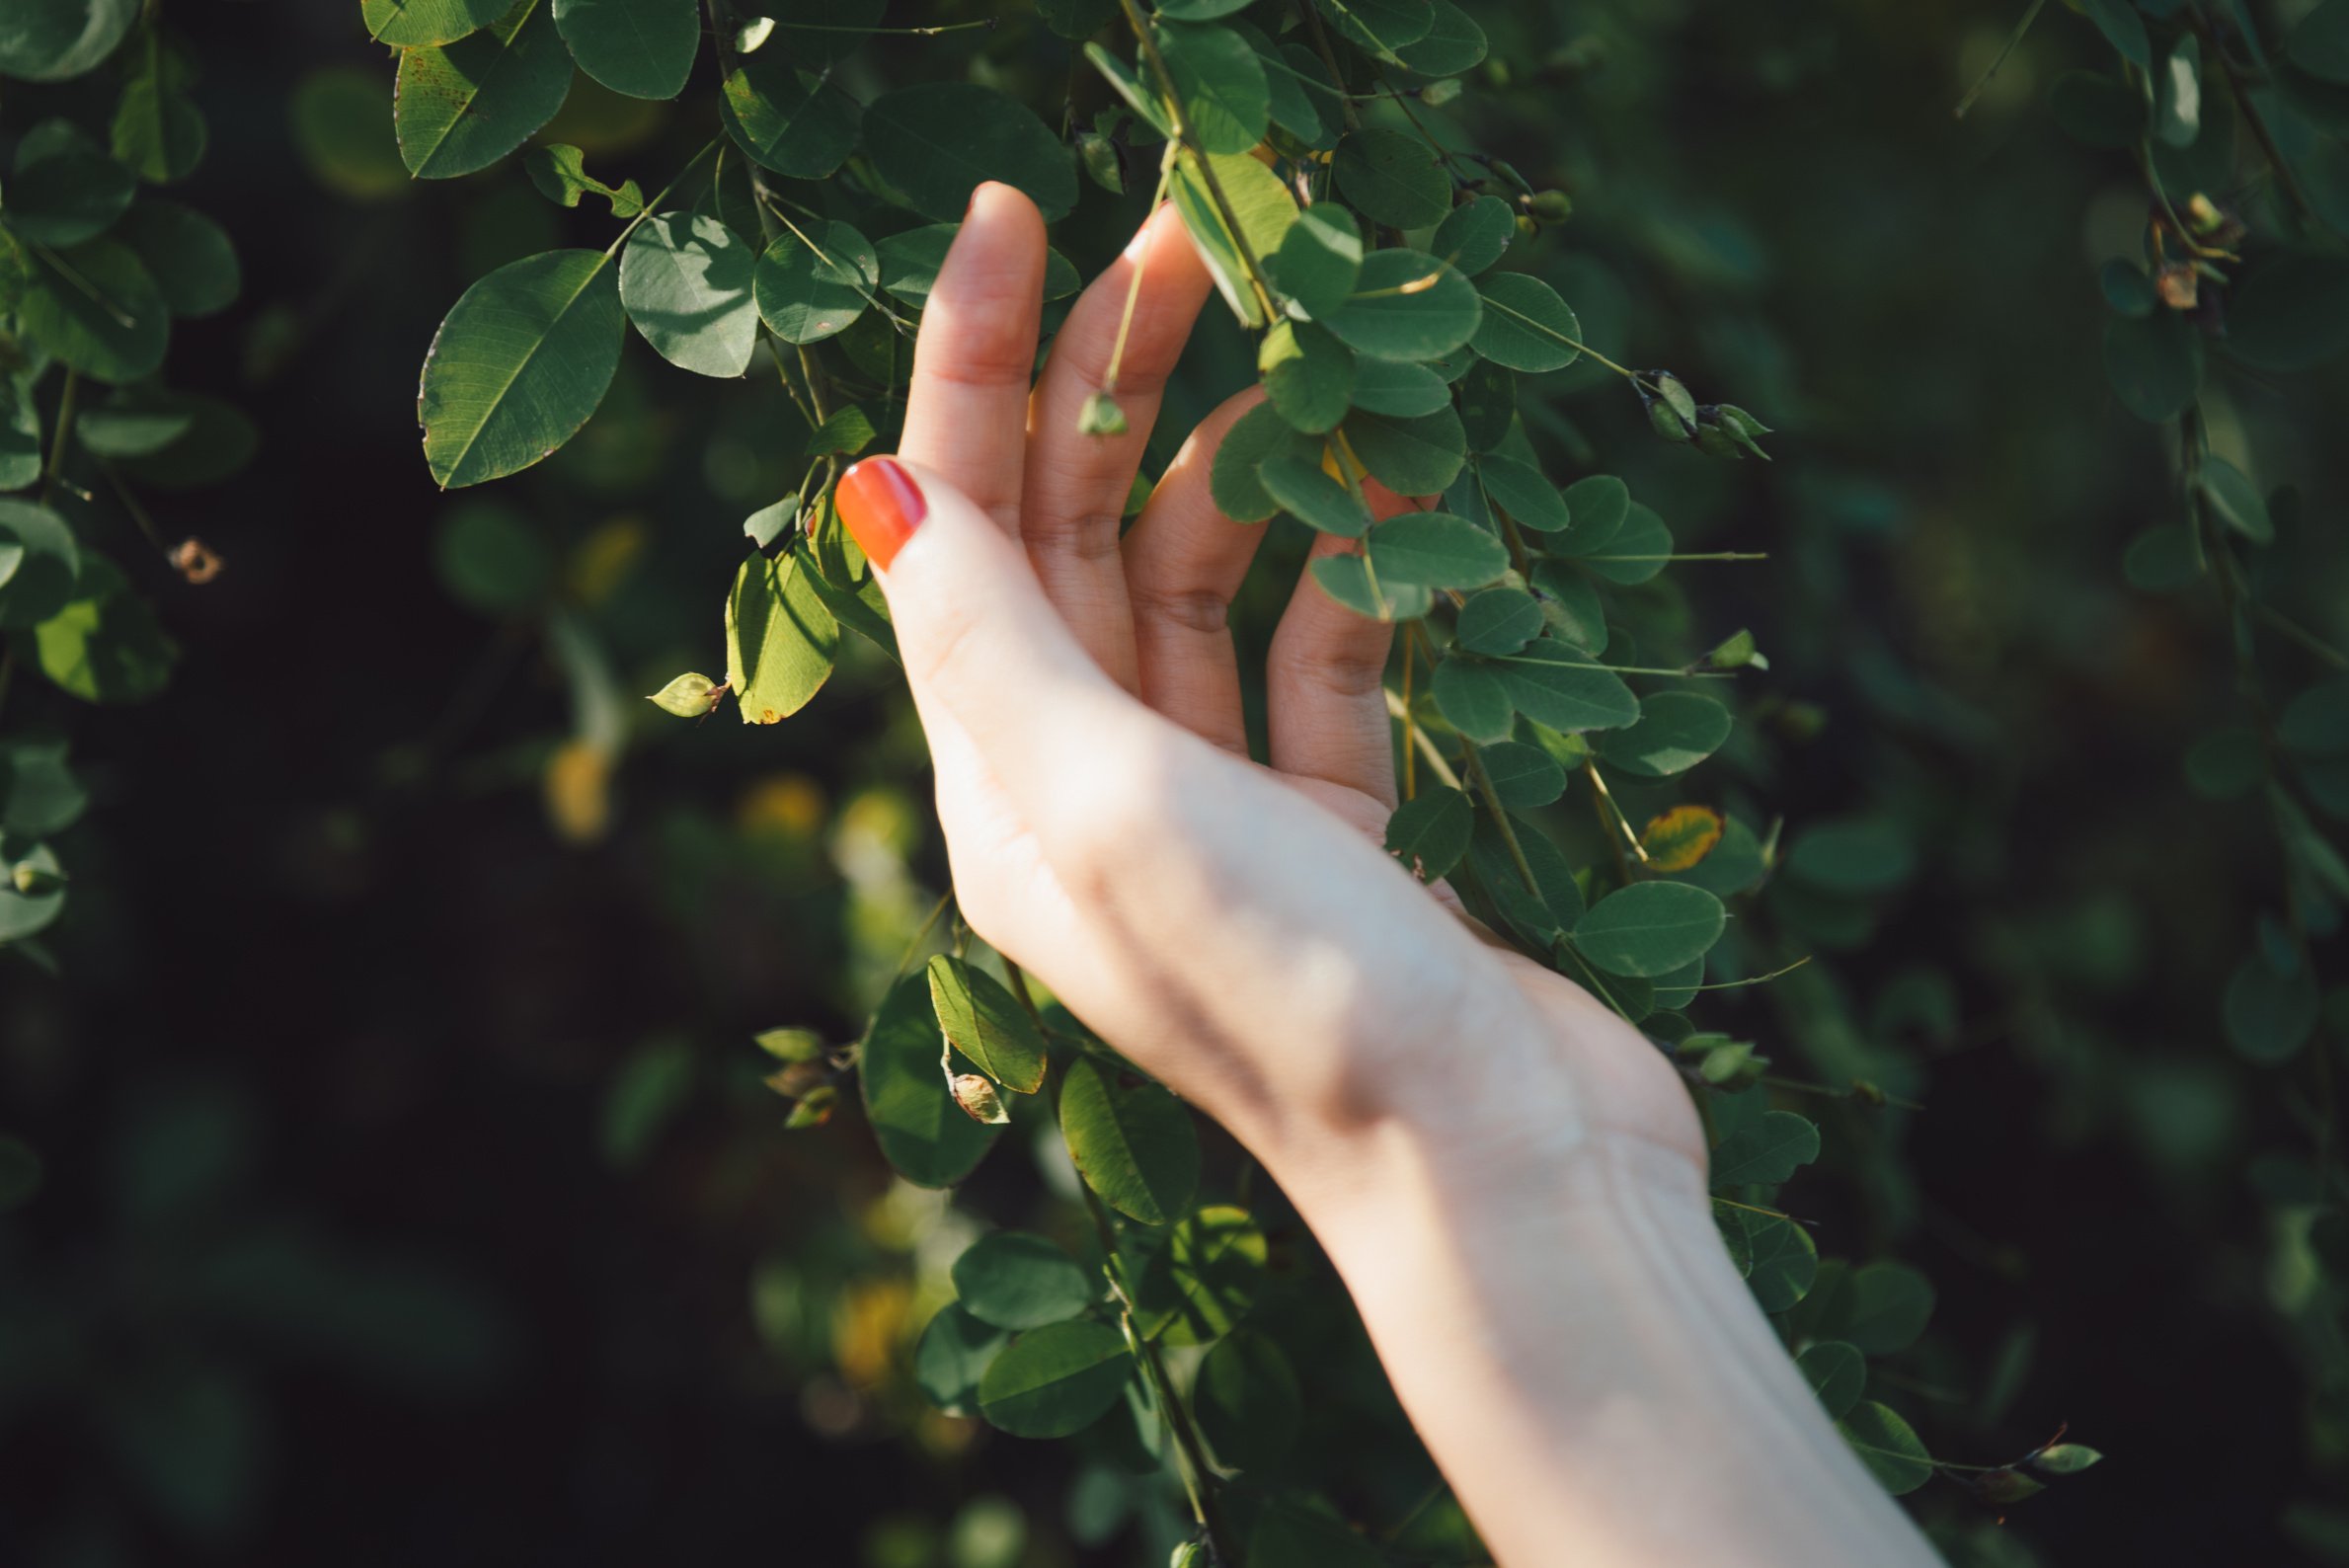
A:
(2063, 1458)
(1551, 206)
(977, 1098)
(814, 1108)
(1101, 415)
(753, 33)
(1732, 431)
(791, 1045)
(1862, 1089)
(32, 881)
(1190, 1554)
(1437, 94)
(1664, 419)
(1736, 653)
(689, 696)
(1100, 157)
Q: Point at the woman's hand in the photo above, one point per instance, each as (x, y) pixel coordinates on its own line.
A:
(1508, 1177)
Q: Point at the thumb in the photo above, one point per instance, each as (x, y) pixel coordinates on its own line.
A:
(982, 646)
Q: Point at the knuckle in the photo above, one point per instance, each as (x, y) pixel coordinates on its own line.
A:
(1194, 609)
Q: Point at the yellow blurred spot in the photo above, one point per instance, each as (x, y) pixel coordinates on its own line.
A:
(869, 1324)
(785, 806)
(602, 560)
(577, 785)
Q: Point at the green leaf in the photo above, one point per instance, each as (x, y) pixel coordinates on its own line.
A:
(1766, 1151)
(156, 132)
(50, 563)
(560, 172)
(404, 24)
(1676, 730)
(1306, 493)
(1254, 439)
(954, 1353)
(1475, 699)
(1266, 210)
(937, 143)
(1220, 83)
(1053, 1381)
(1837, 1373)
(1132, 1140)
(2288, 312)
(1777, 1257)
(51, 41)
(2154, 365)
(25, 910)
(2319, 44)
(1649, 928)
(1526, 493)
(1554, 686)
(219, 440)
(808, 292)
(1888, 1446)
(1014, 1280)
(1429, 832)
(689, 696)
(1435, 550)
(2236, 499)
(779, 639)
(65, 188)
(1290, 1536)
(1318, 260)
(685, 280)
(983, 1021)
(463, 106)
(1640, 549)
(120, 335)
(1307, 373)
(1525, 326)
(136, 422)
(2316, 722)
(644, 49)
(1399, 389)
(1394, 178)
(1488, 405)
(1599, 506)
(1346, 580)
(1199, 10)
(188, 256)
(788, 120)
(1523, 776)
(1474, 235)
(2127, 288)
(1455, 43)
(2123, 27)
(518, 365)
(106, 645)
(1380, 27)
(1407, 305)
(1411, 457)
(1500, 620)
(1247, 1401)
(21, 455)
(1889, 1307)
(922, 1133)
(1204, 1280)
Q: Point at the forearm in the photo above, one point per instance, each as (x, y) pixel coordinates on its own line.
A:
(1585, 1367)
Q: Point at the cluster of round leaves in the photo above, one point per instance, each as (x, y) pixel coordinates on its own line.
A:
(1399, 333)
(2268, 291)
(95, 268)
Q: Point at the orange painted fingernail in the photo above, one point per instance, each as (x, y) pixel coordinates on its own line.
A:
(882, 505)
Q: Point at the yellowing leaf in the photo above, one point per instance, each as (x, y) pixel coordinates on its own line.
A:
(1679, 838)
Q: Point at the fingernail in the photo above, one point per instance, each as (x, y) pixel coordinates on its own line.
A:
(882, 505)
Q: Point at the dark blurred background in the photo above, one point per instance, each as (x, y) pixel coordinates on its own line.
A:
(410, 1191)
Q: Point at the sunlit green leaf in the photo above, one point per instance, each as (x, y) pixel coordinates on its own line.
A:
(1013, 1280)
(1054, 1380)
(463, 106)
(518, 365)
(1133, 1142)
(1650, 929)
(986, 1024)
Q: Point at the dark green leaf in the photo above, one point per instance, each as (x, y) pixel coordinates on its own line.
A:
(789, 121)
(1639, 550)
(2127, 290)
(50, 40)
(1347, 579)
(491, 559)
(953, 1356)
(809, 292)
(1247, 1401)
(1526, 493)
(2319, 44)
(1888, 1446)
(1255, 437)
(1455, 43)
(1014, 1280)
(986, 1023)
(1525, 326)
(1837, 1373)
(1411, 457)
(1857, 856)
(119, 335)
(1055, 1380)
(1676, 730)
(106, 645)
(1766, 1151)
(1205, 1279)
(1132, 1140)
(1307, 373)
(1473, 236)
(1429, 832)
(518, 365)
(463, 106)
(1220, 82)
(156, 132)
(2270, 1012)
(66, 187)
(1319, 258)
(1382, 27)
(1473, 699)
(1394, 178)
(188, 256)
(923, 1133)
(1437, 550)
(2123, 28)
(685, 280)
(1649, 928)
(644, 49)
(1599, 506)
(1498, 620)
(1554, 686)
(2236, 500)
(1889, 1307)
(2288, 312)
(1523, 776)
(1306, 493)
(48, 569)
(404, 24)
(2156, 364)
(1399, 389)
(938, 142)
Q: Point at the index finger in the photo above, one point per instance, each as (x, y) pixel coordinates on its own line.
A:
(966, 409)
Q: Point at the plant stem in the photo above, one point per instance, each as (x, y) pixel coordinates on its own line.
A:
(1982, 82)
(1614, 810)
(1329, 63)
(944, 901)
(661, 195)
(54, 474)
(1427, 747)
(1500, 815)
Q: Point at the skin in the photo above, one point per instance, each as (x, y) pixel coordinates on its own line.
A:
(1509, 1179)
